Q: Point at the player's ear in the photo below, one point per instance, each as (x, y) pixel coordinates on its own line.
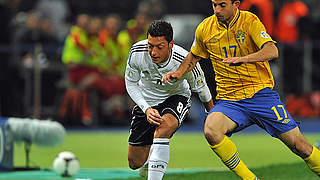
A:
(171, 44)
(237, 3)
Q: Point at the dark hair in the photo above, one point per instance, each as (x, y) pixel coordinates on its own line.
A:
(160, 28)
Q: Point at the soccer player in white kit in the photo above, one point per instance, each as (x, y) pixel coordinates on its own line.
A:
(160, 108)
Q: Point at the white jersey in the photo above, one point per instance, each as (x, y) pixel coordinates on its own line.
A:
(143, 77)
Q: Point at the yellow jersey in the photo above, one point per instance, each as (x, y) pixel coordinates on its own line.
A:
(244, 35)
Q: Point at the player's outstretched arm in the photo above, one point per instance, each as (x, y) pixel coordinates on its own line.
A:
(187, 65)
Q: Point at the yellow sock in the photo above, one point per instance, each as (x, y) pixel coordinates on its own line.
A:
(227, 151)
(313, 161)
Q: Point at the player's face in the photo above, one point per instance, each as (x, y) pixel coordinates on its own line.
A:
(159, 48)
(225, 10)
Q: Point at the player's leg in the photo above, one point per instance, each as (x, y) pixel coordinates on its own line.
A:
(140, 156)
(216, 127)
(160, 155)
(173, 111)
(167, 127)
(300, 146)
(140, 139)
(271, 114)
(137, 156)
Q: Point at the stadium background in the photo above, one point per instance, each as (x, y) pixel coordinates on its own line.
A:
(27, 92)
(296, 72)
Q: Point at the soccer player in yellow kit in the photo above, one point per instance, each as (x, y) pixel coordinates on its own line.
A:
(239, 48)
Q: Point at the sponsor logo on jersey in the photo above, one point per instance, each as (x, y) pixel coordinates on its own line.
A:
(240, 36)
(286, 121)
(264, 34)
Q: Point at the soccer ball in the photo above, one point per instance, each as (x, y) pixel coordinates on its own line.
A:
(66, 164)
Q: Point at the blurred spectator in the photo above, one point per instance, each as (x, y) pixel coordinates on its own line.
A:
(46, 32)
(84, 73)
(115, 65)
(312, 27)
(263, 9)
(48, 39)
(305, 106)
(76, 48)
(97, 52)
(75, 55)
(57, 12)
(30, 32)
(28, 37)
(155, 9)
(108, 38)
(288, 36)
(135, 31)
(287, 25)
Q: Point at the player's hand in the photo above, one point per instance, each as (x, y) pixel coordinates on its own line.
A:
(170, 76)
(153, 116)
(234, 61)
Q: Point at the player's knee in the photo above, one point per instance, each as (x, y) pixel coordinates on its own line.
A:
(163, 133)
(171, 126)
(134, 163)
(212, 135)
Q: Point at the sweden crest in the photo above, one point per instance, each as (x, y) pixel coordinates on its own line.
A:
(240, 36)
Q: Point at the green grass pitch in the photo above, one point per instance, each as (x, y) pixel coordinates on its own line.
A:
(264, 155)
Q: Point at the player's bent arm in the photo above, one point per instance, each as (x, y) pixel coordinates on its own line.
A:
(268, 52)
(187, 65)
(134, 92)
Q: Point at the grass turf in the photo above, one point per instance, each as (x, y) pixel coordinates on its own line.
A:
(97, 149)
(295, 171)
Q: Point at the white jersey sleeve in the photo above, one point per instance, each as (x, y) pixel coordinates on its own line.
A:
(197, 82)
(132, 77)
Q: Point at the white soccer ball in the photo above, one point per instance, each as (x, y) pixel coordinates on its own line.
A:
(66, 164)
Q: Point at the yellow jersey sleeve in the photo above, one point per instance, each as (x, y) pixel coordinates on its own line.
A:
(198, 47)
(258, 32)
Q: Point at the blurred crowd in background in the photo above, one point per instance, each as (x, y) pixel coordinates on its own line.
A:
(65, 59)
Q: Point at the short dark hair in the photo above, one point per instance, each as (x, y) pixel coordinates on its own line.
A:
(160, 28)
